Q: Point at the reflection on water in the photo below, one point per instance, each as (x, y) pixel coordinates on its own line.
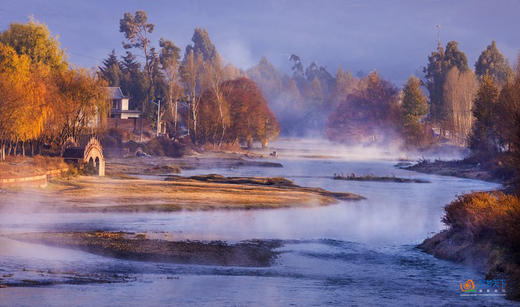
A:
(350, 253)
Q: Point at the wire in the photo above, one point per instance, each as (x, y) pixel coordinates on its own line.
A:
(85, 56)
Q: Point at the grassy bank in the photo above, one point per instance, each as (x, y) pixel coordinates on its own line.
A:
(130, 194)
(484, 232)
(18, 166)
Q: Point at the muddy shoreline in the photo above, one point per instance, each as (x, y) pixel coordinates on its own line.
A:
(353, 177)
(132, 246)
(167, 165)
(456, 168)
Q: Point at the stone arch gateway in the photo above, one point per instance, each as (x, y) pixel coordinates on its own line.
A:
(91, 154)
(94, 151)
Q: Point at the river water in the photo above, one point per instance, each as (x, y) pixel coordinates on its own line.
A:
(351, 253)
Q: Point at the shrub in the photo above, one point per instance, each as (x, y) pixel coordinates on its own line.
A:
(482, 215)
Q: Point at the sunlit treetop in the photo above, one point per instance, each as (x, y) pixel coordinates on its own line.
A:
(136, 29)
(35, 40)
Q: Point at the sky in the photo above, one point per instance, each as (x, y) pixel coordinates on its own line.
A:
(393, 37)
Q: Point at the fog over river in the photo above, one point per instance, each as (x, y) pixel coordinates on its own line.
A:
(358, 252)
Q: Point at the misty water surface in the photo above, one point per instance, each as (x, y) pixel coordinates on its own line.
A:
(349, 253)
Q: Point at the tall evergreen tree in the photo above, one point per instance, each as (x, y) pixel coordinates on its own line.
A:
(483, 139)
(202, 44)
(439, 63)
(415, 104)
(491, 62)
(111, 70)
(415, 108)
(455, 57)
(134, 82)
(297, 68)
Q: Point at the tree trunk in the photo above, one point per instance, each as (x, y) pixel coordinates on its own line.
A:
(23, 149)
(175, 118)
(194, 118)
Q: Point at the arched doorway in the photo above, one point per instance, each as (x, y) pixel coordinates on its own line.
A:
(97, 165)
(94, 152)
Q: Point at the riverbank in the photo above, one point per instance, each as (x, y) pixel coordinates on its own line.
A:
(455, 168)
(354, 177)
(20, 167)
(483, 232)
(125, 190)
(160, 164)
(135, 246)
(129, 194)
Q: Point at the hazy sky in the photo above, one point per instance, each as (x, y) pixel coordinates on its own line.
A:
(394, 37)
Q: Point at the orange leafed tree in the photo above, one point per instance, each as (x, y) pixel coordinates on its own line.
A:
(23, 103)
(250, 118)
(370, 114)
(41, 99)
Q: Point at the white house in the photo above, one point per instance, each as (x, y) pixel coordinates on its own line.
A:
(119, 105)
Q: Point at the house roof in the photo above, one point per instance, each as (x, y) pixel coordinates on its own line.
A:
(116, 93)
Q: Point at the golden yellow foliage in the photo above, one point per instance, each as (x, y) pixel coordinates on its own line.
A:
(39, 95)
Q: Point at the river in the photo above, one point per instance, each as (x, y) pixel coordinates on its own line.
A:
(351, 253)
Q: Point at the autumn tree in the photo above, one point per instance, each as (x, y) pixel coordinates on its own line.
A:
(459, 90)
(23, 107)
(38, 91)
(344, 84)
(507, 111)
(491, 62)
(231, 72)
(191, 76)
(250, 117)
(371, 114)
(35, 40)
(415, 108)
(213, 78)
(83, 105)
(31, 57)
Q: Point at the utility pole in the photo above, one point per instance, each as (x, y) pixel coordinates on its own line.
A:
(438, 35)
(158, 104)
